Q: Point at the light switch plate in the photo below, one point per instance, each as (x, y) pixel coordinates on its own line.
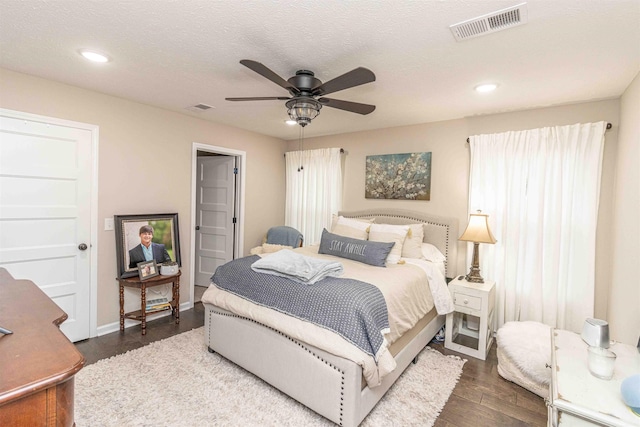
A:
(108, 224)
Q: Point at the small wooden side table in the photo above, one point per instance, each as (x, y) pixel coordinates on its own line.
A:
(141, 315)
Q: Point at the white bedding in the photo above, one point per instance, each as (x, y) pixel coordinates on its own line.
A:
(440, 266)
(404, 286)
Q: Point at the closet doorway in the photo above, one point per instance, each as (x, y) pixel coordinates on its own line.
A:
(217, 211)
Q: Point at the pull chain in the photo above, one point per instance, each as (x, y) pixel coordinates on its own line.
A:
(301, 145)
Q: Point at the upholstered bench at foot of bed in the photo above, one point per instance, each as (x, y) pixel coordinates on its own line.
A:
(524, 355)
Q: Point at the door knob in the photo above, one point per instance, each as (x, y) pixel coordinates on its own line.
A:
(197, 227)
(82, 246)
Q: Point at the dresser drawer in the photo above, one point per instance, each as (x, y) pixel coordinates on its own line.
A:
(467, 301)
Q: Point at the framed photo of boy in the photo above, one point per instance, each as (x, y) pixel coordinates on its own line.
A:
(143, 238)
(147, 269)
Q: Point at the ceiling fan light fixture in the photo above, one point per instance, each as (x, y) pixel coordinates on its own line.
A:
(290, 122)
(304, 88)
(303, 110)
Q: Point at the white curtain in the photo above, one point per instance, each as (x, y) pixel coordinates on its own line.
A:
(540, 189)
(313, 191)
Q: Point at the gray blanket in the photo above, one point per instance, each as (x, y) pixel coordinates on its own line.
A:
(283, 235)
(353, 309)
(302, 269)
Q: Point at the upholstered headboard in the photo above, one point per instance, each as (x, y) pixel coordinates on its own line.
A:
(442, 232)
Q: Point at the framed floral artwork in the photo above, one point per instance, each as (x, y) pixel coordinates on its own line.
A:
(404, 176)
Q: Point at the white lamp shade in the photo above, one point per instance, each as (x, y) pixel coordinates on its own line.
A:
(478, 230)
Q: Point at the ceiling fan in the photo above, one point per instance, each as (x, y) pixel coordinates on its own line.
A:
(307, 92)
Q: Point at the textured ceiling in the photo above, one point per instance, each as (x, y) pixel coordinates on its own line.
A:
(174, 54)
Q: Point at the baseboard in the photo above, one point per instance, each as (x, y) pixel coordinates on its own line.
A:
(115, 326)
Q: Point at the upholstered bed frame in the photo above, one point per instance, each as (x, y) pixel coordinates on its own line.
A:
(331, 386)
(442, 232)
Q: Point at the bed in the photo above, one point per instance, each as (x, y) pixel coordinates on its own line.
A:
(337, 387)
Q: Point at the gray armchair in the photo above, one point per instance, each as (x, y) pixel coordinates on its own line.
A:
(279, 237)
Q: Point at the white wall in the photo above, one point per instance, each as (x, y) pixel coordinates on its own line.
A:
(143, 146)
(450, 167)
(624, 298)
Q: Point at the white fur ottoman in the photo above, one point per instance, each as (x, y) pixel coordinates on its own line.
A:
(524, 354)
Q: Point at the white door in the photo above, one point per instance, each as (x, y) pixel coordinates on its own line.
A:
(45, 212)
(215, 220)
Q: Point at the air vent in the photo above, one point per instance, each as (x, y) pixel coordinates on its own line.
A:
(198, 108)
(491, 22)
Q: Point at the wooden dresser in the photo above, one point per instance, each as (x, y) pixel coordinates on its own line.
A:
(37, 362)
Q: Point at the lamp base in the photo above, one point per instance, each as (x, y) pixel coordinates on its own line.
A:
(474, 277)
(474, 274)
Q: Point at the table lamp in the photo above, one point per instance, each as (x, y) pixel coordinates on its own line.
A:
(477, 232)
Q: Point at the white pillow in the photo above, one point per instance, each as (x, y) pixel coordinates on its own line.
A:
(335, 218)
(412, 246)
(390, 233)
(431, 253)
(349, 227)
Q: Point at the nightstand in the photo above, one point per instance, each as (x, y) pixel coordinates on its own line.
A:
(469, 327)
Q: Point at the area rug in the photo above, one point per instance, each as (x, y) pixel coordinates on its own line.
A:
(177, 382)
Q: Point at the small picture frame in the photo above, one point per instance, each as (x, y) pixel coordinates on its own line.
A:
(147, 269)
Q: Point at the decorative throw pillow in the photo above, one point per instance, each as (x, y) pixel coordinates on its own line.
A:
(390, 233)
(353, 228)
(431, 253)
(256, 251)
(372, 253)
(412, 246)
(268, 248)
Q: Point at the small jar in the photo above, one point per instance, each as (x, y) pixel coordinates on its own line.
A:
(601, 362)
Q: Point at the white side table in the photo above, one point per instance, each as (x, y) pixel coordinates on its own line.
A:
(577, 398)
(469, 328)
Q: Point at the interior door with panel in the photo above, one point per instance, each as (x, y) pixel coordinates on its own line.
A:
(215, 215)
(45, 211)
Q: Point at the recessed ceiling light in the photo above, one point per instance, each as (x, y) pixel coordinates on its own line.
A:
(94, 56)
(291, 122)
(488, 87)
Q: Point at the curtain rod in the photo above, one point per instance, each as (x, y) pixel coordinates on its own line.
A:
(608, 127)
(341, 151)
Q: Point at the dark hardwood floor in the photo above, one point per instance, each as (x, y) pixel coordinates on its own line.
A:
(481, 397)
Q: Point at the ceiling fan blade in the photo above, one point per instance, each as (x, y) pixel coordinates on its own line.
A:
(268, 74)
(356, 77)
(259, 98)
(353, 107)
